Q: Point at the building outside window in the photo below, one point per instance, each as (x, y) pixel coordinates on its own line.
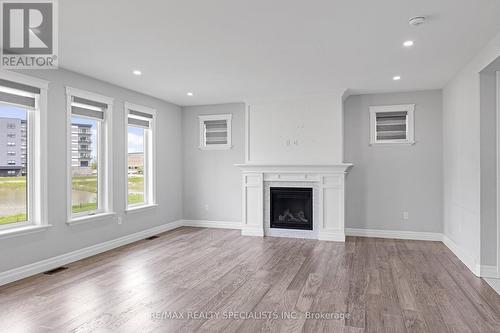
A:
(10, 166)
(81, 131)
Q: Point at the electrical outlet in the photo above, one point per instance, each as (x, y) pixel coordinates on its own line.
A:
(119, 219)
(405, 216)
(206, 207)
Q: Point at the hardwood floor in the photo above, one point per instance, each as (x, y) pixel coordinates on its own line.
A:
(377, 285)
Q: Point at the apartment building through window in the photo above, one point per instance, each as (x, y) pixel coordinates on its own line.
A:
(12, 139)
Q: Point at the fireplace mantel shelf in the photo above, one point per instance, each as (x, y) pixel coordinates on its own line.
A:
(282, 167)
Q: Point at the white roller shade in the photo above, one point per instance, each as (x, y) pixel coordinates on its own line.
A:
(139, 119)
(18, 94)
(87, 108)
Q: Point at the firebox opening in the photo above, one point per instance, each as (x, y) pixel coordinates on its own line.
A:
(291, 208)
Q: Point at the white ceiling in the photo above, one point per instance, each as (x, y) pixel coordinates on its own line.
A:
(238, 50)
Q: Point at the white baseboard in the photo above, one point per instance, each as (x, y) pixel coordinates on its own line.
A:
(465, 257)
(490, 272)
(331, 236)
(211, 224)
(256, 232)
(64, 259)
(394, 234)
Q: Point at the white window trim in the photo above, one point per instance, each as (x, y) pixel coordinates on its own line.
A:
(150, 146)
(37, 168)
(105, 153)
(410, 126)
(202, 119)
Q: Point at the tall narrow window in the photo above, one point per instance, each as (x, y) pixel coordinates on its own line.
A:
(140, 155)
(88, 151)
(20, 164)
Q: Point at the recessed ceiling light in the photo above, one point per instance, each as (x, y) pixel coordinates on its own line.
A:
(396, 78)
(137, 72)
(189, 94)
(408, 43)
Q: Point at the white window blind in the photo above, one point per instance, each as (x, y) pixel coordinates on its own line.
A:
(18, 94)
(215, 132)
(139, 119)
(87, 108)
(392, 124)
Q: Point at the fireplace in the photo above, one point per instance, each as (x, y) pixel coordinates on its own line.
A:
(291, 208)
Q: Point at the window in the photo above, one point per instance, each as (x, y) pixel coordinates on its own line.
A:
(22, 181)
(141, 157)
(89, 186)
(392, 124)
(215, 131)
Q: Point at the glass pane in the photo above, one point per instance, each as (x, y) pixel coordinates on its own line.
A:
(136, 165)
(13, 164)
(84, 165)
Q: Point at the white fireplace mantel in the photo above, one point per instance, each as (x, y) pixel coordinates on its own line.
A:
(328, 178)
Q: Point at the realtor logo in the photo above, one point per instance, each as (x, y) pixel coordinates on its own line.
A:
(29, 34)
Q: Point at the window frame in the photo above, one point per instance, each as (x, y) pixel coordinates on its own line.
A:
(202, 119)
(105, 158)
(36, 178)
(149, 158)
(410, 124)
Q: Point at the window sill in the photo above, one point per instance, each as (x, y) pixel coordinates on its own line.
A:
(406, 143)
(215, 147)
(89, 218)
(24, 230)
(134, 209)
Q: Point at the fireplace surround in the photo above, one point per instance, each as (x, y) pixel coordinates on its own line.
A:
(326, 182)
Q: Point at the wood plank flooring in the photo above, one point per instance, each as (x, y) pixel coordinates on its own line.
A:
(196, 279)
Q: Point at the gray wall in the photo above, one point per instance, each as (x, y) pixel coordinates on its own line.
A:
(387, 180)
(212, 184)
(488, 100)
(61, 238)
(462, 159)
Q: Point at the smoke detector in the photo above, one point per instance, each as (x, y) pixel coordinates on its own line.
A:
(416, 21)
